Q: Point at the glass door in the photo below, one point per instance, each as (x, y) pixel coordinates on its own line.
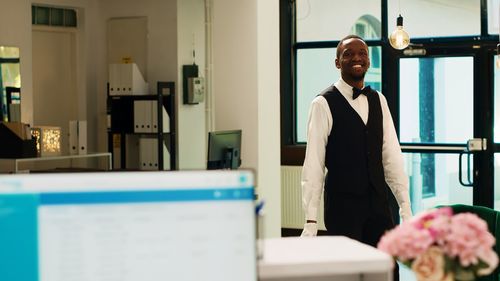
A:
(443, 107)
(495, 61)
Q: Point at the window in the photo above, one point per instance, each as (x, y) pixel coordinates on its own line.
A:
(326, 20)
(436, 98)
(493, 16)
(316, 26)
(316, 70)
(51, 16)
(439, 90)
(443, 18)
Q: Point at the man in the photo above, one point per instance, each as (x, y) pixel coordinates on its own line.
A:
(351, 132)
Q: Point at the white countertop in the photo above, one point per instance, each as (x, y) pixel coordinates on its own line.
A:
(320, 256)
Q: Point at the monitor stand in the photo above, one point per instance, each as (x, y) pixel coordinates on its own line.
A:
(231, 158)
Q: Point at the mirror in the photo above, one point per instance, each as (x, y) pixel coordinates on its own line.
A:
(10, 84)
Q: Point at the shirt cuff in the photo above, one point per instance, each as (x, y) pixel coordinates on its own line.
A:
(310, 229)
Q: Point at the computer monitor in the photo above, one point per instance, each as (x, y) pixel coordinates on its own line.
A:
(147, 226)
(224, 150)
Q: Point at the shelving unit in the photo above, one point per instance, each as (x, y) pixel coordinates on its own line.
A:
(120, 110)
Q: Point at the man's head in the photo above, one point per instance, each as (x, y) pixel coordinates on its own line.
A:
(352, 58)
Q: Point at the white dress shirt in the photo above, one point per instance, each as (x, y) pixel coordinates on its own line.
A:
(319, 127)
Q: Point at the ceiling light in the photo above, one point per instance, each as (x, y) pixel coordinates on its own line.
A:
(399, 38)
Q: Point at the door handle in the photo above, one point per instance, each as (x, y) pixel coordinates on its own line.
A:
(460, 178)
(473, 145)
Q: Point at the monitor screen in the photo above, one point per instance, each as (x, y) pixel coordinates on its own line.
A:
(147, 226)
(224, 148)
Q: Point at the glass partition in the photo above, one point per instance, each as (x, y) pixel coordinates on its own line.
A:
(436, 183)
(436, 100)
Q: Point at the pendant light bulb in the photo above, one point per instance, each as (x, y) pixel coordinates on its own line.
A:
(399, 38)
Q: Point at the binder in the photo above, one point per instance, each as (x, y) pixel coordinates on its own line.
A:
(82, 137)
(126, 79)
(154, 118)
(148, 155)
(73, 137)
(77, 137)
(142, 116)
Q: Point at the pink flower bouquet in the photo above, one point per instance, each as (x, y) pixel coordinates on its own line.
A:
(438, 245)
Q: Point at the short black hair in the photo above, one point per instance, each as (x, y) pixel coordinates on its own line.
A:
(351, 36)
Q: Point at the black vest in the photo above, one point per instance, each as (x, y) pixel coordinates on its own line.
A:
(354, 150)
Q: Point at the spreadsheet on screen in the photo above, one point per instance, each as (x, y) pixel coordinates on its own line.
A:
(196, 225)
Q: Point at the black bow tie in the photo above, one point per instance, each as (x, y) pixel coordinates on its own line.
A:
(356, 92)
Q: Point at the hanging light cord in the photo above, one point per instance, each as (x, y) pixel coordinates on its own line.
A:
(307, 13)
(399, 6)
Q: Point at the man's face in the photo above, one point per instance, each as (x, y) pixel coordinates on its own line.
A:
(353, 61)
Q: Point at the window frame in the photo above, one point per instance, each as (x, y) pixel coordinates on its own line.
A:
(293, 152)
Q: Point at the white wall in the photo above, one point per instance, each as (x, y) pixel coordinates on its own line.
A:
(246, 91)
(191, 132)
(235, 72)
(268, 79)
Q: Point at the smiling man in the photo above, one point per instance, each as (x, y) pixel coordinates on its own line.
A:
(351, 133)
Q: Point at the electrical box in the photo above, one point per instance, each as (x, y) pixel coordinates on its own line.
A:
(196, 89)
(188, 71)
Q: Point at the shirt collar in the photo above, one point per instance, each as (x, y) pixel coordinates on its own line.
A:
(344, 88)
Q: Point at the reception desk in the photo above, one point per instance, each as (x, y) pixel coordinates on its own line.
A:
(322, 258)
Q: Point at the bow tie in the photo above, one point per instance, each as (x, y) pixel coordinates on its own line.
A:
(356, 92)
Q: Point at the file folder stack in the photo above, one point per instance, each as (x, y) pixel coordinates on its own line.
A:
(126, 79)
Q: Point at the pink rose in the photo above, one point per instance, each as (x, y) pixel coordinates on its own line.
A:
(405, 242)
(469, 240)
(436, 236)
(429, 266)
(491, 259)
(436, 221)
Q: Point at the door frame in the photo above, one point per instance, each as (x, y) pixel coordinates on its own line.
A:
(483, 108)
(78, 76)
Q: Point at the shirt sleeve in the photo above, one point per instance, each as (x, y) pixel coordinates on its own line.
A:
(393, 162)
(319, 126)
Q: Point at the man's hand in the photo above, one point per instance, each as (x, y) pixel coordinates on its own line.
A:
(310, 229)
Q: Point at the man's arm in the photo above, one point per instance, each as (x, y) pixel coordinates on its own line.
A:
(313, 171)
(393, 162)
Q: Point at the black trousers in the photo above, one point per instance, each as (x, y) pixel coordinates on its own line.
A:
(364, 218)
